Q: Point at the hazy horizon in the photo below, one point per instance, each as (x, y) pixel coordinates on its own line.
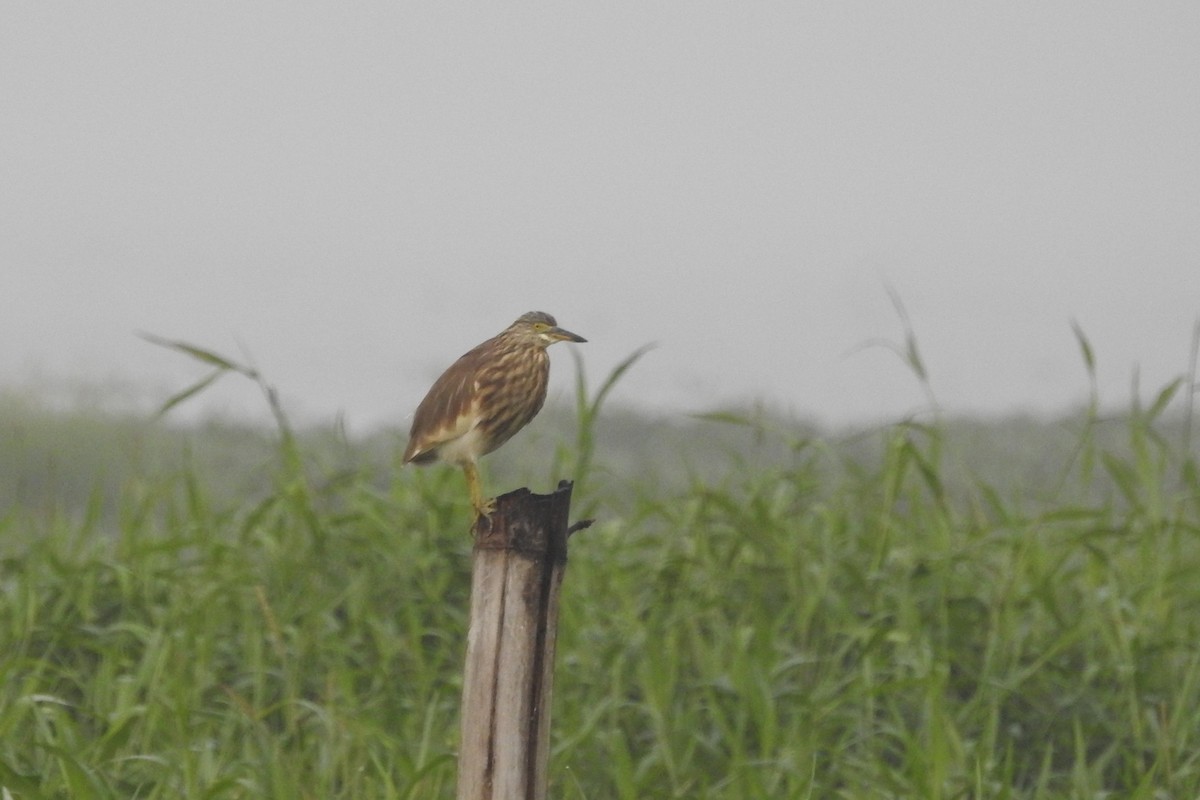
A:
(352, 197)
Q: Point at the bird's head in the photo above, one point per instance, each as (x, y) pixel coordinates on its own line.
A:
(538, 327)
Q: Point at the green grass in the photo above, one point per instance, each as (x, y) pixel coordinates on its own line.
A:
(800, 616)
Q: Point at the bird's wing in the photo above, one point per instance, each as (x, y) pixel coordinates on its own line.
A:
(448, 412)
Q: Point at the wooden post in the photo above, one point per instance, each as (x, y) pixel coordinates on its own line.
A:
(516, 573)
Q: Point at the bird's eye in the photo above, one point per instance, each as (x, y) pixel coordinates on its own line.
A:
(540, 326)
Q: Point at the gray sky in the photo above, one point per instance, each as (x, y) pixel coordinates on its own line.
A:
(355, 194)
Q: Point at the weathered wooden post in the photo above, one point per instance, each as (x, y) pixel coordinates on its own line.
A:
(516, 573)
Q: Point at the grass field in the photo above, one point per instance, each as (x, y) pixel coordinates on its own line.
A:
(217, 613)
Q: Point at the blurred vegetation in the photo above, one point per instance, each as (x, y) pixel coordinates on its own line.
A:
(936, 608)
(67, 460)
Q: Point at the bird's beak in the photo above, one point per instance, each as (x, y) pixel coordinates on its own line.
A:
(561, 335)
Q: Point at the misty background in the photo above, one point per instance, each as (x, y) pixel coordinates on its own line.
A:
(349, 197)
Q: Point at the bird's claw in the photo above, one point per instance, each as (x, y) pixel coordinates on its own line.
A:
(485, 508)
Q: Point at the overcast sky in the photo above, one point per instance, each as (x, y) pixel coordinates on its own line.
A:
(352, 195)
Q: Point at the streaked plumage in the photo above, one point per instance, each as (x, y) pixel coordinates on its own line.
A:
(485, 397)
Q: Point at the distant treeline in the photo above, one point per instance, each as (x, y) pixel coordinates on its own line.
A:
(64, 461)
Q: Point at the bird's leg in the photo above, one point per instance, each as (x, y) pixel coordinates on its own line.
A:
(483, 507)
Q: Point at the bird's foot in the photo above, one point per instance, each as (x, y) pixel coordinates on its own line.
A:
(484, 508)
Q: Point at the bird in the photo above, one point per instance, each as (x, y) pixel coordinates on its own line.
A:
(484, 398)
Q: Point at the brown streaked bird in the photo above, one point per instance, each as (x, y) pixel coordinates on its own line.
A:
(484, 398)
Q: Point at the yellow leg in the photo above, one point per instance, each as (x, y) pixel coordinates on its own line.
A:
(483, 508)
